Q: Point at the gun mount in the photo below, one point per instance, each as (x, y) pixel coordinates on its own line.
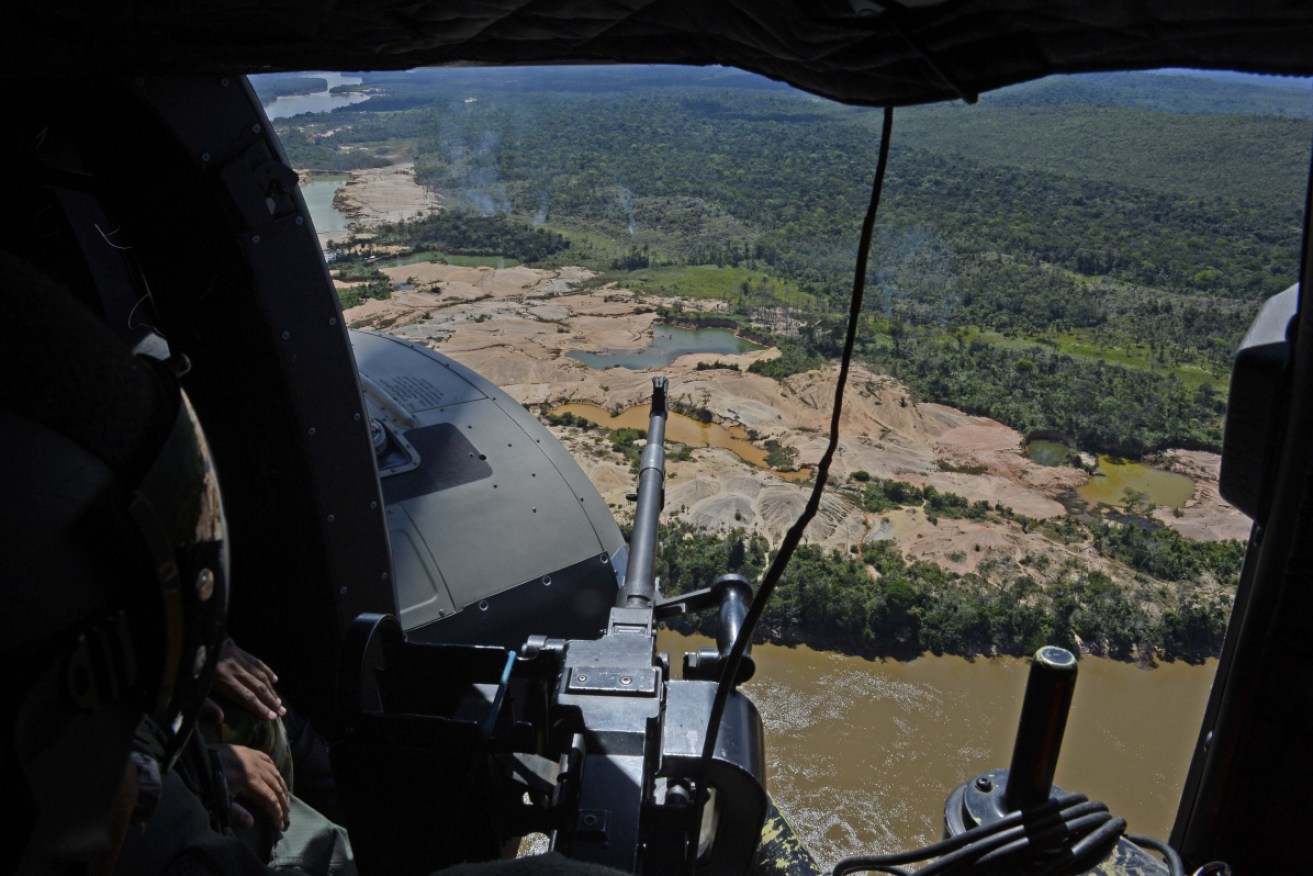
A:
(469, 747)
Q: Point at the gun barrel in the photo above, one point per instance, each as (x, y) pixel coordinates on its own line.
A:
(640, 583)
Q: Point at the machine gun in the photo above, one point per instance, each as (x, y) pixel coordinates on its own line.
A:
(462, 749)
(454, 752)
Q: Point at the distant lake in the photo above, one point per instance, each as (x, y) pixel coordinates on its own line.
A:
(318, 102)
(669, 342)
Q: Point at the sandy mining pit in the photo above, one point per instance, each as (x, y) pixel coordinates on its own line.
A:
(516, 326)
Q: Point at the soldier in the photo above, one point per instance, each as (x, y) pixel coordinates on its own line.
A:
(114, 587)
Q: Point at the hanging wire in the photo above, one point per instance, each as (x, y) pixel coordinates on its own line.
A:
(793, 537)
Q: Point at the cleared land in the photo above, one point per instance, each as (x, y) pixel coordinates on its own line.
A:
(516, 325)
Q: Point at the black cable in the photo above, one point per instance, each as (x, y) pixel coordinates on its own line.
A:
(1088, 851)
(1020, 841)
(792, 538)
(1081, 832)
(943, 847)
(976, 834)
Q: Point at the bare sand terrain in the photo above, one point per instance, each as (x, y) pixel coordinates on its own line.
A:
(377, 195)
(385, 194)
(517, 325)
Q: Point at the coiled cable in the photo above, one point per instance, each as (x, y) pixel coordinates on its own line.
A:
(1069, 834)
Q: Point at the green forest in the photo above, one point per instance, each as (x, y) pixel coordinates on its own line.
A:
(873, 602)
(1079, 255)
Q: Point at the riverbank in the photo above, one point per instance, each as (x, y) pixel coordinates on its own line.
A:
(365, 199)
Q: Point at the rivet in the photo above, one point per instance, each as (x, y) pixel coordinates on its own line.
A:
(604, 558)
(332, 320)
(625, 679)
(287, 335)
(331, 518)
(205, 157)
(342, 592)
(547, 580)
(311, 431)
(373, 506)
(983, 783)
(581, 678)
(204, 585)
(300, 221)
(356, 417)
(255, 129)
(224, 82)
(483, 605)
(383, 577)
(255, 238)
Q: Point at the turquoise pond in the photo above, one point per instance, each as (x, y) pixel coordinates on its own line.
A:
(669, 342)
(318, 196)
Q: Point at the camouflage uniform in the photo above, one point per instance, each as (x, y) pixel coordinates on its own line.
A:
(190, 830)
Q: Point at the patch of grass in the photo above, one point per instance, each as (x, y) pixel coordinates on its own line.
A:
(709, 281)
(414, 259)
(962, 469)
(478, 261)
(1082, 345)
(781, 457)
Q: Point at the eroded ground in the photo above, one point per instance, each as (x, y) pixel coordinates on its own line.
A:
(516, 326)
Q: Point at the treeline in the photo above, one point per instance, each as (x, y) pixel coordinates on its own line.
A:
(872, 602)
(1106, 408)
(777, 182)
(464, 233)
(357, 294)
(1056, 241)
(268, 88)
(791, 174)
(1104, 227)
(309, 151)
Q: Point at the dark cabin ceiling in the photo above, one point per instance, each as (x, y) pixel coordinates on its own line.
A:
(856, 51)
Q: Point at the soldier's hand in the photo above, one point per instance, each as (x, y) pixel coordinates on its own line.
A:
(245, 680)
(253, 778)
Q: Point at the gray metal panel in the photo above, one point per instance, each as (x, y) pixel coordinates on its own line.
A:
(500, 531)
(520, 509)
(421, 591)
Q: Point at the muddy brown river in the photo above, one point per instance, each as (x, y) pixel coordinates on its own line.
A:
(861, 754)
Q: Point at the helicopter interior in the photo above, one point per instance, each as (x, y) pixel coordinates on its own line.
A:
(138, 129)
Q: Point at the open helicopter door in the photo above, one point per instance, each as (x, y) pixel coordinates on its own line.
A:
(1243, 798)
